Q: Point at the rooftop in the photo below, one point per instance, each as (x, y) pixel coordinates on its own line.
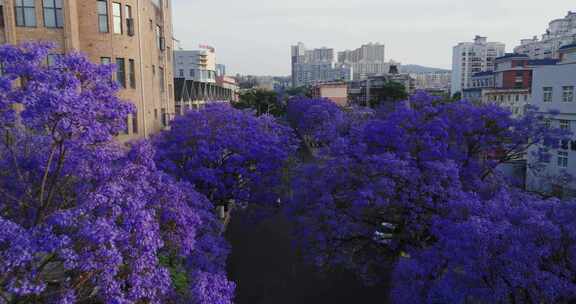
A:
(512, 55)
(543, 62)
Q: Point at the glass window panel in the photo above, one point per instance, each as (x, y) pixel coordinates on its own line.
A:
(30, 16)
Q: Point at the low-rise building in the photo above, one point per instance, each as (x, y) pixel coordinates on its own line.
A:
(335, 91)
(553, 89)
(510, 85)
(197, 65)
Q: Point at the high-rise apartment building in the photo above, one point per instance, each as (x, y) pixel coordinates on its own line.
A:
(560, 32)
(316, 66)
(368, 60)
(136, 35)
(469, 58)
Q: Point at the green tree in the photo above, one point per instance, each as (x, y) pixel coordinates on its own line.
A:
(262, 101)
(390, 91)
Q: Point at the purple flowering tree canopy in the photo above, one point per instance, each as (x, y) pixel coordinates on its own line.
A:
(229, 155)
(83, 219)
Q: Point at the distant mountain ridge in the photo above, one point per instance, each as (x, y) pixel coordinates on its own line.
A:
(414, 68)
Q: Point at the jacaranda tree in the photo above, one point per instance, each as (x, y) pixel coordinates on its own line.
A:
(83, 219)
(415, 193)
(229, 155)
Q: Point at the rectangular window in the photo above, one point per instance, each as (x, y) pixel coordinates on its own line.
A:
(105, 60)
(25, 13)
(117, 17)
(103, 16)
(53, 14)
(52, 58)
(564, 124)
(568, 94)
(129, 20)
(135, 123)
(121, 72)
(132, 73)
(161, 72)
(1, 14)
(573, 145)
(548, 91)
(192, 73)
(563, 159)
(164, 117)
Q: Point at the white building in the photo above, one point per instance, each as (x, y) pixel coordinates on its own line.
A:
(553, 89)
(469, 58)
(316, 66)
(366, 61)
(560, 32)
(432, 80)
(197, 65)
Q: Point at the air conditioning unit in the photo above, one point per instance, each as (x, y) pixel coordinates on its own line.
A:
(130, 26)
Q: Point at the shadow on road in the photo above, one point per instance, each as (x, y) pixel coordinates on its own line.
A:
(267, 270)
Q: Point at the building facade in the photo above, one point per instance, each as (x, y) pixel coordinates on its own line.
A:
(469, 58)
(337, 92)
(368, 60)
(560, 32)
(439, 81)
(310, 67)
(135, 35)
(197, 65)
(553, 88)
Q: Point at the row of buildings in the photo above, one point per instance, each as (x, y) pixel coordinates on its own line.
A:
(313, 66)
(135, 35)
(541, 73)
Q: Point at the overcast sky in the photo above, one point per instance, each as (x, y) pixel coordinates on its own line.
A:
(254, 36)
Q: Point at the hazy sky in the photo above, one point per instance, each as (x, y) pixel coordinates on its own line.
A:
(254, 36)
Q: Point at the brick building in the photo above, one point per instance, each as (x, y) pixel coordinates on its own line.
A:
(136, 35)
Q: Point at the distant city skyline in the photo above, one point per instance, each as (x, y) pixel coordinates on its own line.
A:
(254, 36)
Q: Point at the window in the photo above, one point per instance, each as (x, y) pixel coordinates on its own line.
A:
(129, 20)
(132, 73)
(568, 94)
(159, 38)
(103, 16)
(105, 60)
(563, 159)
(53, 15)
(573, 145)
(564, 124)
(191, 73)
(121, 72)
(25, 13)
(181, 73)
(548, 123)
(117, 17)
(164, 118)
(155, 113)
(135, 123)
(52, 59)
(161, 72)
(1, 14)
(548, 91)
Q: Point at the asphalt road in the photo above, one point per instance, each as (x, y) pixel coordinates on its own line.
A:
(267, 270)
